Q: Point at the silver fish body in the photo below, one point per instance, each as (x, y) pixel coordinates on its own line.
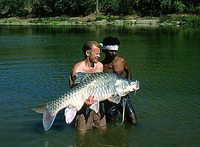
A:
(102, 86)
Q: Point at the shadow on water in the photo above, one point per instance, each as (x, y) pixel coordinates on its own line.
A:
(116, 134)
(59, 124)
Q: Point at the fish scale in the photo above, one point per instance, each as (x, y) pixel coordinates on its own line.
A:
(100, 85)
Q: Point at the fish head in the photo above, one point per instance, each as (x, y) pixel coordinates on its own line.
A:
(124, 86)
(134, 85)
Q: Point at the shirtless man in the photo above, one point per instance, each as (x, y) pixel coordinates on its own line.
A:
(90, 64)
(117, 65)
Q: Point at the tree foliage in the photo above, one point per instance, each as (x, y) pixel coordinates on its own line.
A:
(48, 8)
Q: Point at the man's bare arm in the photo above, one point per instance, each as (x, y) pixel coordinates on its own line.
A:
(127, 70)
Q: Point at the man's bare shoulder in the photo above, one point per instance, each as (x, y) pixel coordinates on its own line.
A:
(99, 64)
(79, 64)
(78, 67)
(99, 67)
(120, 59)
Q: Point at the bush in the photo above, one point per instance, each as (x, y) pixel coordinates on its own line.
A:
(109, 19)
(179, 6)
(99, 19)
(22, 13)
(197, 10)
(111, 7)
(187, 21)
(145, 8)
(11, 8)
(166, 7)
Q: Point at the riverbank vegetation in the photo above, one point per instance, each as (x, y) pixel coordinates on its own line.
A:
(181, 12)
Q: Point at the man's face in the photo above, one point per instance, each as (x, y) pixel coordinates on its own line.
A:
(112, 53)
(95, 54)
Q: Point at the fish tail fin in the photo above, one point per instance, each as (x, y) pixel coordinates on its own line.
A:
(48, 118)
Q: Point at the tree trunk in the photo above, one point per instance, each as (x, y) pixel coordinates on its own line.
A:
(97, 6)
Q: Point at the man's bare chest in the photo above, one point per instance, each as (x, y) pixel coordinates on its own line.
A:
(114, 67)
(91, 70)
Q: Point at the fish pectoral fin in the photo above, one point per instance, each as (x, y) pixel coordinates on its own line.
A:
(69, 115)
(115, 99)
(80, 76)
(95, 107)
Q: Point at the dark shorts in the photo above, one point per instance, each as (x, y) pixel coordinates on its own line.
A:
(111, 110)
(92, 119)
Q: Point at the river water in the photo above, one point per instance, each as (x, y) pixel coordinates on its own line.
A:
(35, 62)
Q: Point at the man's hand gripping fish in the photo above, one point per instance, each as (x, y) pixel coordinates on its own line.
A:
(102, 86)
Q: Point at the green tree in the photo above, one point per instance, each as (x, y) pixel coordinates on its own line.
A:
(126, 7)
(179, 6)
(10, 8)
(84, 7)
(44, 8)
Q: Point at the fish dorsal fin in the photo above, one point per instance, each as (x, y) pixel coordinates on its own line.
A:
(115, 99)
(69, 115)
(95, 107)
(80, 76)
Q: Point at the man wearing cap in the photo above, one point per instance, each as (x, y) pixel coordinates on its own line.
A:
(117, 65)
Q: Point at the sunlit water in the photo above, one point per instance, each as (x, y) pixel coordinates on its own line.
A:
(35, 62)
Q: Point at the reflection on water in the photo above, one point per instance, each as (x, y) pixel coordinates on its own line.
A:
(35, 62)
(105, 138)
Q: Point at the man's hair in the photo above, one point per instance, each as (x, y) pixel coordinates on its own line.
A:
(111, 41)
(88, 46)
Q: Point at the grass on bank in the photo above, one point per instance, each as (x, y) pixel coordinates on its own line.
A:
(165, 20)
(12, 21)
(51, 20)
(181, 20)
(59, 20)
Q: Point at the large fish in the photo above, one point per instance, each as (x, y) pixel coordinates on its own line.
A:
(102, 85)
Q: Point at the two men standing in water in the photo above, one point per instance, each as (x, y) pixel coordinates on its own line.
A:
(111, 63)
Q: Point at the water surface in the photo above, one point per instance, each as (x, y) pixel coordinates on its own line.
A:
(35, 62)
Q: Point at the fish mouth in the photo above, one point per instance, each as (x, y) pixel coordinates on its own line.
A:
(137, 83)
(136, 86)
